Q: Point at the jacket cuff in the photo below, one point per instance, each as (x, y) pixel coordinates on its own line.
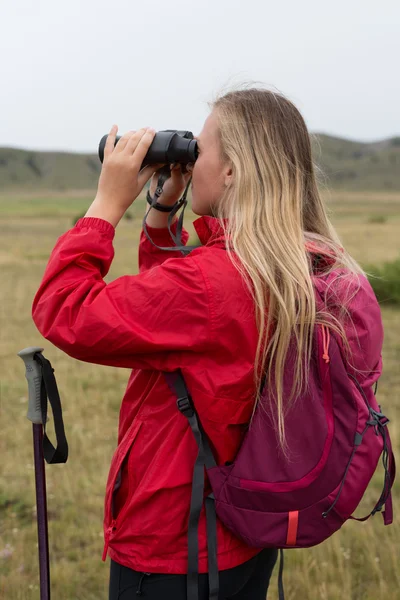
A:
(96, 223)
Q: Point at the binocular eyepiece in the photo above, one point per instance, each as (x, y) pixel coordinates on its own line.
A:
(168, 146)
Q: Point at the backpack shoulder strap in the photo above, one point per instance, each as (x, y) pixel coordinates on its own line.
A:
(204, 459)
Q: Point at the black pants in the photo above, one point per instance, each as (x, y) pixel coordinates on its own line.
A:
(248, 581)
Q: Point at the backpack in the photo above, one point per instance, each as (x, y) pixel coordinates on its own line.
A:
(336, 433)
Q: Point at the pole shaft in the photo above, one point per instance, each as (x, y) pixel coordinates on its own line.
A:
(41, 508)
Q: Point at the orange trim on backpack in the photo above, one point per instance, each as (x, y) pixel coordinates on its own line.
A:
(292, 528)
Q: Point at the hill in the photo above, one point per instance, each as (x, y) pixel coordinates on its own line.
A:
(344, 164)
(358, 165)
(24, 169)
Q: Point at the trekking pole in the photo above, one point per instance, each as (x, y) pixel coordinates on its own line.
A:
(41, 382)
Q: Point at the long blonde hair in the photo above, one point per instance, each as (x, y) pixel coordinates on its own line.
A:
(268, 213)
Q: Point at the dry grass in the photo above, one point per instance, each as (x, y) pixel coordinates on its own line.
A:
(360, 562)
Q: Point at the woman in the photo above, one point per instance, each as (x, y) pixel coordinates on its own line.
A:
(231, 304)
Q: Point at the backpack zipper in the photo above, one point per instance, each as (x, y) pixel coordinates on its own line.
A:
(358, 436)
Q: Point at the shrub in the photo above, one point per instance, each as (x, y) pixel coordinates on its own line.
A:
(377, 219)
(385, 281)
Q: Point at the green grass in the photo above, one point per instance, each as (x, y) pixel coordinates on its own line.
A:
(360, 562)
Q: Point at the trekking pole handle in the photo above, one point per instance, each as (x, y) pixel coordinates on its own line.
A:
(33, 374)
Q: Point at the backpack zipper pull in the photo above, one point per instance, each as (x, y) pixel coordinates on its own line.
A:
(109, 533)
(326, 339)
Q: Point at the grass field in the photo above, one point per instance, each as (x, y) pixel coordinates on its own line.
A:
(360, 562)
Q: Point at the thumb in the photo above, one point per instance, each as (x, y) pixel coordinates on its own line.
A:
(176, 173)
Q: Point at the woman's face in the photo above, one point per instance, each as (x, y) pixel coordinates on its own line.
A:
(210, 175)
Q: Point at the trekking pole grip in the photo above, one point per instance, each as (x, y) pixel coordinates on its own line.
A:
(33, 374)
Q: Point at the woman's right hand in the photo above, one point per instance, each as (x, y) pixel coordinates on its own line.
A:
(174, 187)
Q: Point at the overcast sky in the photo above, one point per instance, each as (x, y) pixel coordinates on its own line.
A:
(72, 68)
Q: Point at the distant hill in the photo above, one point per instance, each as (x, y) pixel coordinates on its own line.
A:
(345, 164)
(357, 165)
(24, 169)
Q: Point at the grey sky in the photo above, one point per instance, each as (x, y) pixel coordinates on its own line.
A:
(71, 69)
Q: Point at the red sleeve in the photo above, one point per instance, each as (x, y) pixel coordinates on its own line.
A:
(149, 255)
(143, 321)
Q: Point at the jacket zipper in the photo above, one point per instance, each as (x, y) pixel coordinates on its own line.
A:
(110, 531)
(108, 535)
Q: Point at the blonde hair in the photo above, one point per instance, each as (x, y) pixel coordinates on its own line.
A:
(270, 210)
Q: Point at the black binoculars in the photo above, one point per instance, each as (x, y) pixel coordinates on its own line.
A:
(168, 146)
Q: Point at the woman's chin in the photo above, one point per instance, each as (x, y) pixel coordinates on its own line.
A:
(196, 209)
(200, 210)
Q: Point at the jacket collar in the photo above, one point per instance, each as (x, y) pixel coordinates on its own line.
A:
(210, 233)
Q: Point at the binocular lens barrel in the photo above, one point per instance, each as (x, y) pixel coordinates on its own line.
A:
(169, 146)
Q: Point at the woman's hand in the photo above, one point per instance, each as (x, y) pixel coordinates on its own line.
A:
(173, 188)
(121, 179)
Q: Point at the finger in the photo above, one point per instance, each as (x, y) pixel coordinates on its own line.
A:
(124, 140)
(134, 140)
(110, 141)
(156, 166)
(176, 175)
(143, 146)
(153, 183)
(187, 177)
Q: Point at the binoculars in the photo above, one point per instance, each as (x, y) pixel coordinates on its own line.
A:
(168, 146)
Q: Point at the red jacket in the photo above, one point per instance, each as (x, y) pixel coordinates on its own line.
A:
(193, 313)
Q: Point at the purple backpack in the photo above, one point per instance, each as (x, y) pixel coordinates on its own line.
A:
(336, 433)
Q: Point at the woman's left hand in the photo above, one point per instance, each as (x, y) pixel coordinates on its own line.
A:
(121, 179)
